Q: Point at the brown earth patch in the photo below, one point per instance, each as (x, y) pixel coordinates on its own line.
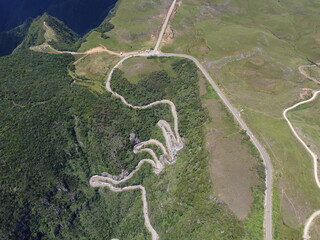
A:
(257, 61)
(305, 93)
(168, 35)
(231, 166)
(204, 49)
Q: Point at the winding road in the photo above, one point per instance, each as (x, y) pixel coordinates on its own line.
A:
(172, 138)
(234, 111)
(173, 141)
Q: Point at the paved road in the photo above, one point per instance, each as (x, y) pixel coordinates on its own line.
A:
(236, 114)
(261, 149)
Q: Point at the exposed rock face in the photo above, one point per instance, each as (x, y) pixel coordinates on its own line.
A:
(134, 139)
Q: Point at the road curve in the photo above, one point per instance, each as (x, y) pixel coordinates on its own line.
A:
(96, 182)
(304, 73)
(314, 158)
(312, 154)
(308, 224)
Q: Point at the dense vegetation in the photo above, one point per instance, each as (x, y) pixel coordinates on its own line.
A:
(66, 38)
(55, 135)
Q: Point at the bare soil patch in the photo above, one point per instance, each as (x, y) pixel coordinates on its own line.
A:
(168, 35)
(257, 61)
(231, 165)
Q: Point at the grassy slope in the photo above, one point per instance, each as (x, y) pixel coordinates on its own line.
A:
(136, 26)
(253, 50)
(305, 119)
(92, 70)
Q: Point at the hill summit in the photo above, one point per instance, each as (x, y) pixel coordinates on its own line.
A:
(48, 29)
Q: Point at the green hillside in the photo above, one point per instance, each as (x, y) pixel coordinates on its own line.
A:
(48, 29)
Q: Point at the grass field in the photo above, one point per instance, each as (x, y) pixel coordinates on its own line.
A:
(137, 68)
(314, 72)
(306, 121)
(230, 158)
(92, 70)
(137, 23)
(253, 50)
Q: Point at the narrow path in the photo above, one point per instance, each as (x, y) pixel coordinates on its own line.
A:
(313, 155)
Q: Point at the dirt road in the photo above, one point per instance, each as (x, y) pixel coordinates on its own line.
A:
(312, 154)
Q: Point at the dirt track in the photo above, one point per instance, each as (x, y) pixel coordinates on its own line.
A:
(312, 154)
(304, 73)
